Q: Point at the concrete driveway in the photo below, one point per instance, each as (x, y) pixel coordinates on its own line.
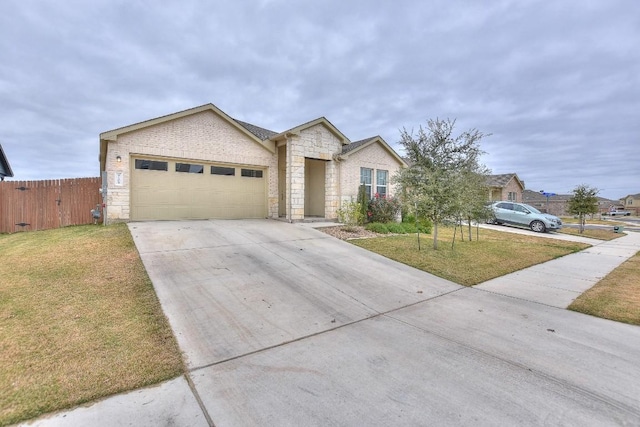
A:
(283, 325)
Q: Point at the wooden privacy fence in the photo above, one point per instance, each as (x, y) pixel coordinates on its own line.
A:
(41, 205)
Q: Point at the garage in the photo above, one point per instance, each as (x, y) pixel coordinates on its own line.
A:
(168, 189)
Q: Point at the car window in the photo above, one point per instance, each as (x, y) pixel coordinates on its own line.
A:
(519, 208)
(532, 209)
(505, 205)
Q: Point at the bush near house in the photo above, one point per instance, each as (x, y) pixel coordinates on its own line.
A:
(383, 209)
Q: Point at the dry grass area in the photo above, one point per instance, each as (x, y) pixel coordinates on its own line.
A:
(600, 233)
(79, 320)
(469, 263)
(616, 297)
(608, 221)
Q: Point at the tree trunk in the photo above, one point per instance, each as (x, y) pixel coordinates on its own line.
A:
(469, 219)
(435, 235)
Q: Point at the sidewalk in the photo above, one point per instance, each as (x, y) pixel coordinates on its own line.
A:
(559, 282)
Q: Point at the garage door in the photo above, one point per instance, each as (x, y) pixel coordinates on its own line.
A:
(177, 189)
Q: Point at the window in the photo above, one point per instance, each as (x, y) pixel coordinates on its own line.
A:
(219, 170)
(251, 173)
(512, 196)
(381, 182)
(366, 176)
(505, 205)
(152, 165)
(189, 168)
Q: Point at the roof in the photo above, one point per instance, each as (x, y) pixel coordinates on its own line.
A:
(257, 131)
(356, 146)
(529, 196)
(5, 168)
(633, 196)
(536, 196)
(350, 147)
(501, 180)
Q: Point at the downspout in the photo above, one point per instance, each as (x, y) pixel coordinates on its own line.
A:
(338, 159)
(287, 201)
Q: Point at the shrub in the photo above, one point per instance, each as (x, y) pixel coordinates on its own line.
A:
(377, 227)
(362, 201)
(409, 227)
(351, 214)
(383, 209)
(396, 228)
(424, 224)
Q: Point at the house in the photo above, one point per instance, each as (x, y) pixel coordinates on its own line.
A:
(554, 205)
(5, 168)
(505, 187)
(558, 204)
(631, 203)
(201, 163)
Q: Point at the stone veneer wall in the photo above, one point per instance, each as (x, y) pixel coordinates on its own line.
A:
(203, 136)
(316, 142)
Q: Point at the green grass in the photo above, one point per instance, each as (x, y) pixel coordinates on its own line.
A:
(469, 263)
(616, 297)
(79, 320)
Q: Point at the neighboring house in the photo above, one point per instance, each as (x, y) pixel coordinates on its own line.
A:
(505, 187)
(631, 203)
(554, 205)
(201, 163)
(5, 168)
(558, 205)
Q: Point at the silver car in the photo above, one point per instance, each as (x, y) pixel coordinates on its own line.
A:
(524, 215)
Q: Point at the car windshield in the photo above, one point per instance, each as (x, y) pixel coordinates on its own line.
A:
(532, 209)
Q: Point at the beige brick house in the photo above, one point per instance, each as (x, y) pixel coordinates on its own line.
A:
(505, 186)
(201, 163)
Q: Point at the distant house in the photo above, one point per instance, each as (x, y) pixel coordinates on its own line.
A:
(559, 204)
(5, 169)
(505, 186)
(631, 203)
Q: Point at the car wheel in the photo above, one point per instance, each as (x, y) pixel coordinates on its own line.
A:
(538, 226)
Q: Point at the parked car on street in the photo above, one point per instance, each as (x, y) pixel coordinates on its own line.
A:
(524, 215)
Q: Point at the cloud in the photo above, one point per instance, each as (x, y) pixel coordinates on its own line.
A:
(557, 84)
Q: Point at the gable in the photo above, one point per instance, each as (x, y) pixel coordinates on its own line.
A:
(320, 121)
(173, 120)
(503, 180)
(366, 145)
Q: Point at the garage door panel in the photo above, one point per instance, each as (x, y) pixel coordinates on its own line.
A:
(180, 195)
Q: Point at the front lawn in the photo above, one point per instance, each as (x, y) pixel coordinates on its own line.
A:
(469, 263)
(79, 320)
(616, 297)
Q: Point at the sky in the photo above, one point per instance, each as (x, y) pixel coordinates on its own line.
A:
(554, 84)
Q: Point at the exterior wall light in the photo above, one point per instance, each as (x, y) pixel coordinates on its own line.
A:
(118, 159)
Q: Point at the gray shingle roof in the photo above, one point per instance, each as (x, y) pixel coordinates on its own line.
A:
(499, 180)
(5, 168)
(356, 144)
(261, 133)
